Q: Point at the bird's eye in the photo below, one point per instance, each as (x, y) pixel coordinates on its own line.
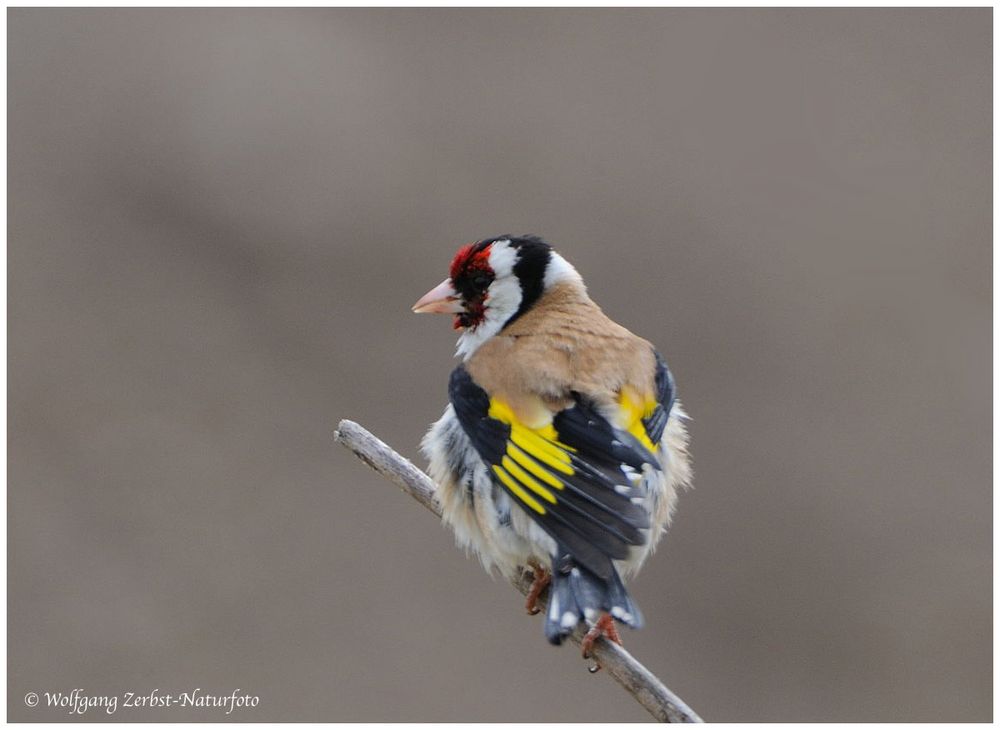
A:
(481, 281)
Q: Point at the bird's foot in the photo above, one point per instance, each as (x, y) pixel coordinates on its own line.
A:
(541, 582)
(605, 626)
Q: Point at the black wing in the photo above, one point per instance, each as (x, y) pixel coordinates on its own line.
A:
(656, 421)
(574, 477)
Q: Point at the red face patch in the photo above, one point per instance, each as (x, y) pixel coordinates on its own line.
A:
(469, 259)
(471, 275)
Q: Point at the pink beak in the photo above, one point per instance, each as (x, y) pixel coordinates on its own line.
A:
(442, 299)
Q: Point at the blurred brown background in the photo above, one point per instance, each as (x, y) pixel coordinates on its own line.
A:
(218, 220)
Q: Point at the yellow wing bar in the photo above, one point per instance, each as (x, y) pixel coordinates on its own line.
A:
(532, 457)
(518, 490)
(635, 409)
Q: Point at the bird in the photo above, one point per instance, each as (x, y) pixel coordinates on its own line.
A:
(563, 447)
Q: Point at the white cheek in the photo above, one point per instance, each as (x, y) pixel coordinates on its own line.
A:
(503, 256)
(503, 300)
(502, 303)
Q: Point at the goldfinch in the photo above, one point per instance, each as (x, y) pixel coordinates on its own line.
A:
(563, 447)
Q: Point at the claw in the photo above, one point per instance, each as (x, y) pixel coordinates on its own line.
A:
(541, 582)
(605, 626)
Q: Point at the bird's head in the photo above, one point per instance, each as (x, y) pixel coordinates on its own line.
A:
(492, 283)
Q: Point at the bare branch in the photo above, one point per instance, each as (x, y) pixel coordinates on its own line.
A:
(642, 684)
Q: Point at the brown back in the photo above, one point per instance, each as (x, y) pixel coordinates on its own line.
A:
(564, 343)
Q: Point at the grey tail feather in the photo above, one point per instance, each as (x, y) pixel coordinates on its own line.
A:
(577, 595)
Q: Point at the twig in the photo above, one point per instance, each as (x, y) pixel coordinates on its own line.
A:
(641, 683)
